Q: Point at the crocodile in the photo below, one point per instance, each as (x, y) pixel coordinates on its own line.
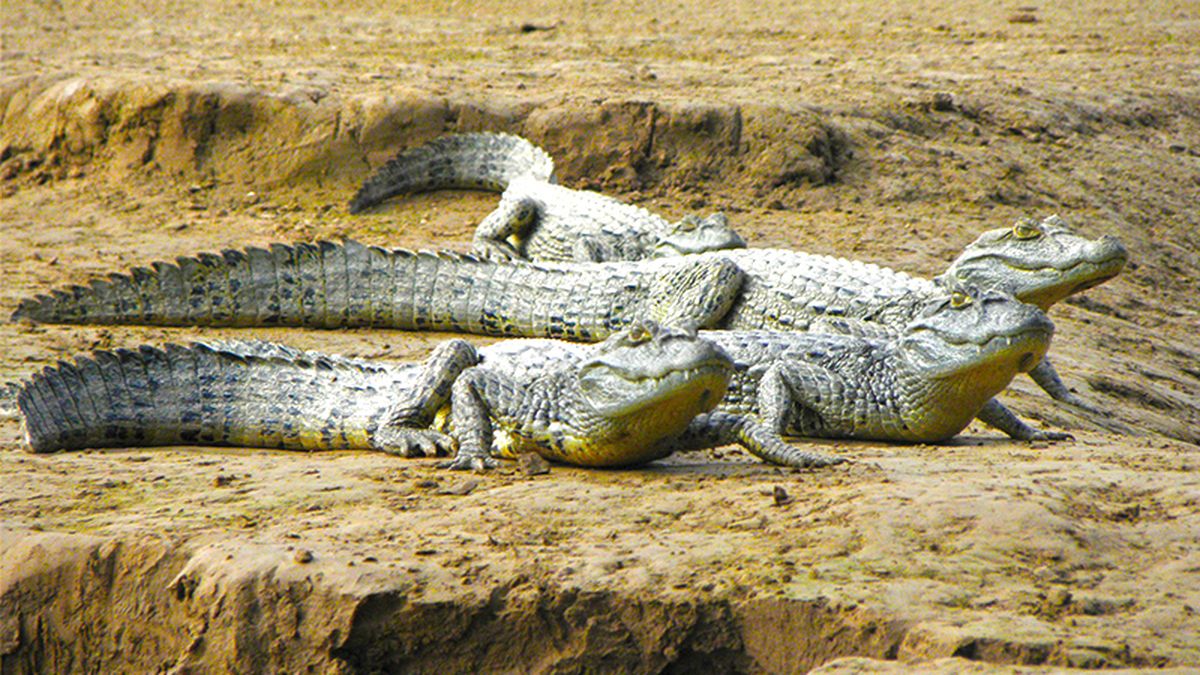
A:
(340, 285)
(537, 218)
(616, 403)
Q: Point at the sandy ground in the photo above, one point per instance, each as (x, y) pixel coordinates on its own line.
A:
(135, 132)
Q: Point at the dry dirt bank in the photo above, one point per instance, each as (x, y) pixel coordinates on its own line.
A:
(133, 133)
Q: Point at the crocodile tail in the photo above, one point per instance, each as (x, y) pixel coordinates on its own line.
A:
(320, 285)
(472, 161)
(349, 285)
(204, 395)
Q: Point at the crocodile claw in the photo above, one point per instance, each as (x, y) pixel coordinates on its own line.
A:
(418, 443)
(467, 462)
(1042, 435)
(496, 251)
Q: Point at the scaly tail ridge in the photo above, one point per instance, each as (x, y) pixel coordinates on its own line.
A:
(472, 161)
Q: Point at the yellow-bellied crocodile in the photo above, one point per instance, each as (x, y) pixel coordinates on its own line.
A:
(538, 219)
(616, 403)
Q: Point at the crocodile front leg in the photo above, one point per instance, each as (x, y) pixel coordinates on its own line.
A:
(996, 415)
(1048, 379)
(473, 395)
(588, 249)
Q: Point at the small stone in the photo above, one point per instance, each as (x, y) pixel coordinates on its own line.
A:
(1060, 597)
(533, 464)
(303, 556)
(943, 102)
(222, 480)
(781, 496)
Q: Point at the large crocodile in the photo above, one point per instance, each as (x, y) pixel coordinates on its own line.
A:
(538, 219)
(923, 385)
(616, 403)
(336, 285)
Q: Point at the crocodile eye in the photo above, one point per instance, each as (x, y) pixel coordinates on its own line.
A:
(958, 300)
(1027, 229)
(638, 333)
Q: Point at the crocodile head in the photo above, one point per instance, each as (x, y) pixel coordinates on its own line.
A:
(642, 385)
(964, 349)
(647, 364)
(1039, 263)
(973, 331)
(693, 234)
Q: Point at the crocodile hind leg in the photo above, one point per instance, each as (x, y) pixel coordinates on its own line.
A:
(699, 292)
(513, 218)
(470, 416)
(406, 431)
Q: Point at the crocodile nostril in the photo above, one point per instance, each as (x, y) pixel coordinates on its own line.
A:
(1026, 362)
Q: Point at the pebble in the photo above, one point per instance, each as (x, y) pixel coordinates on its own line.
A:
(533, 464)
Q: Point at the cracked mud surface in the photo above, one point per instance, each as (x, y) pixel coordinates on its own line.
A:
(137, 132)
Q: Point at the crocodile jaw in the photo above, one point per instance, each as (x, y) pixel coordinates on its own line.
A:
(633, 434)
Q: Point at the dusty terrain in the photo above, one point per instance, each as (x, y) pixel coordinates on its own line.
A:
(134, 132)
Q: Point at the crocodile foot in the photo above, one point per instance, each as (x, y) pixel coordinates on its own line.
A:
(469, 462)
(415, 443)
